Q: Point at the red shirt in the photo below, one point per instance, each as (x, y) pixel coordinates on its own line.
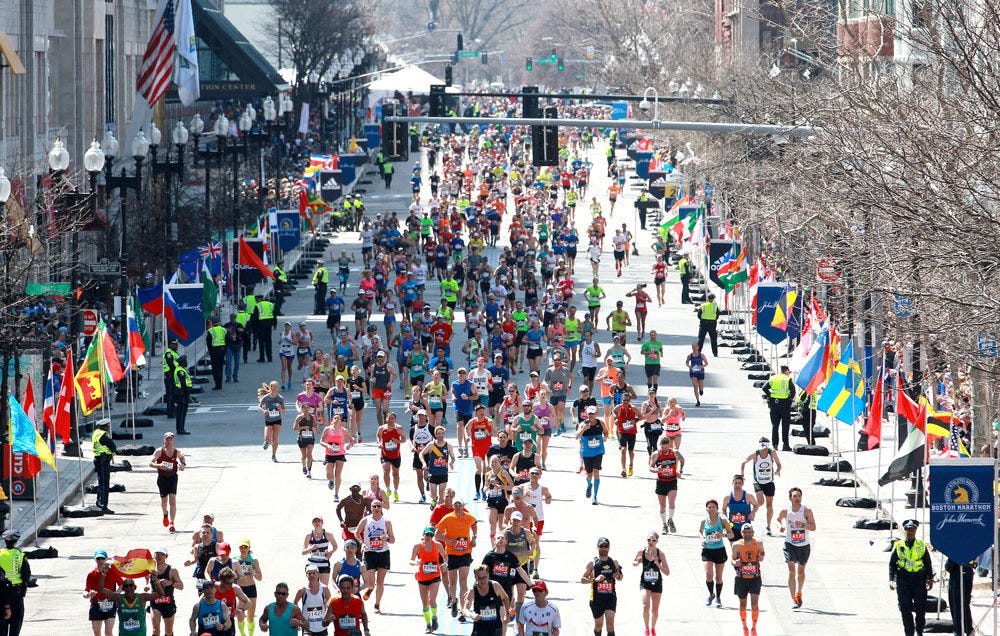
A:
(442, 333)
(112, 581)
(439, 512)
(346, 615)
(394, 439)
(626, 418)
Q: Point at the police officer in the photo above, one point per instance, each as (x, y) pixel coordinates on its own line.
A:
(104, 451)
(911, 575)
(13, 585)
(780, 392)
(320, 281)
(264, 320)
(642, 204)
(235, 335)
(215, 337)
(280, 282)
(359, 211)
(243, 320)
(684, 267)
(169, 364)
(387, 170)
(708, 316)
(182, 395)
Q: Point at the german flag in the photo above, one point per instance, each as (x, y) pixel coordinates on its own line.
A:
(136, 564)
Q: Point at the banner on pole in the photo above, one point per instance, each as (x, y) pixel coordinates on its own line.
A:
(768, 297)
(331, 185)
(718, 250)
(248, 275)
(962, 514)
(289, 229)
(187, 307)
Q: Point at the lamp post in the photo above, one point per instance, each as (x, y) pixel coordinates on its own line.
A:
(167, 169)
(254, 136)
(124, 183)
(224, 144)
(644, 104)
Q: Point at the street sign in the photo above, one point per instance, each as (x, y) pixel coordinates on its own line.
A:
(902, 306)
(48, 289)
(89, 322)
(104, 267)
(468, 54)
(827, 270)
(987, 346)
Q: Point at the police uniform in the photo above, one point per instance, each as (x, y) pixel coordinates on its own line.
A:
(780, 392)
(170, 356)
(708, 316)
(13, 584)
(104, 450)
(910, 568)
(182, 394)
(216, 337)
(684, 267)
(280, 281)
(264, 320)
(320, 281)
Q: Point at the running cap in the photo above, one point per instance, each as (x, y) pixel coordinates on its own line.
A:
(355, 485)
(244, 542)
(480, 406)
(315, 519)
(430, 530)
(516, 516)
(422, 412)
(591, 409)
(603, 542)
(350, 542)
(539, 586)
(224, 547)
(168, 434)
(746, 527)
(210, 515)
(312, 568)
(101, 554)
(162, 550)
(380, 354)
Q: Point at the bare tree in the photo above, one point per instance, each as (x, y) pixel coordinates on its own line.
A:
(487, 21)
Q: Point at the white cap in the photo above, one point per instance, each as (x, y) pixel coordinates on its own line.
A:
(516, 516)
(592, 409)
(747, 526)
(162, 550)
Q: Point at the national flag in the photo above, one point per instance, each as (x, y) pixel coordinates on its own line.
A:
(785, 307)
(175, 327)
(909, 458)
(955, 447)
(324, 162)
(89, 379)
(813, 373)
(151, 298)
(844, 394)
(112, 365)
(186, 62)
(735, 269)
(32, 465)
(249, 257)
(136, 564)
(212, 253)
(136, 347)
(938, 424)
(209, 291)
(24, 437)
(908, 409)
(140, 321)
(63, 416)
(158, 60)
(49, 408)
(801, 354)
(318, 205)
(873, 427)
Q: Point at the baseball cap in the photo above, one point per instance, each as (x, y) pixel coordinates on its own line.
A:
(320, 519)
(516, 516)
(591, 409)
(312, 568)
(603, 541)
(430, 530)
(162, 550)
(539, 586)
(168, 434)
(244, 542)
(749, 527)
(224, 547)
(101, 554)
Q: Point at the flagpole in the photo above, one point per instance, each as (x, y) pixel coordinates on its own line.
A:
(34, 511)
(79, 448)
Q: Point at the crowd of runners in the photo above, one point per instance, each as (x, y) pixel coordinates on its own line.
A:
(540, 359)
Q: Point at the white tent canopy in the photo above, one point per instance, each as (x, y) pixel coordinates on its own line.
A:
(410, 78)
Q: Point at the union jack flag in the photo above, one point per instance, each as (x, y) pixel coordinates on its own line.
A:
(212, 250)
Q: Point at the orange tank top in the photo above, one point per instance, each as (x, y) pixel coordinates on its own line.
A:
(428, 564)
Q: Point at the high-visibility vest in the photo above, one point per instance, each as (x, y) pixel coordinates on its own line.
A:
(911, 558)
(218, 334)
(388, 168)
(242, 318)
(682, 266)
(251, 302)
(11, 560)
(709, 311)
(182, 378)
(778, 386)
(347, 206)
(169, 359)
(97, 439)
(321, 275)
(280, 275)
(265, 310)
(358, 204)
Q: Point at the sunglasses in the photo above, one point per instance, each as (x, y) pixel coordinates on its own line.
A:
(281, 593)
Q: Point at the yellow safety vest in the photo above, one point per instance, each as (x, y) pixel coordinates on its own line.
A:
(709, 311)
(169, 359)
(250, 302)
(242, 317)
(321, 276)
(358, 204)
(218, 334)
(182, 374)
(779, 386)
(96, 439)
(280, 275)
(10, 561)
(911, 558)
(265, 310)
(682, 266)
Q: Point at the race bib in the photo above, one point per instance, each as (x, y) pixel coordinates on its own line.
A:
(534, 346)
(335, 448)
(440, 462)
(652, 355)
(748, 569)
(501, 569)
(488, 614)
(608, 381)
(738, 517)
(391, 445)
(462, 544)
(651, 576)
(673, 427)
(377, 543)
(273, 413)
(247, 568)
(306, 434)
(130, 625)
(168, 466)
(525, 436)
(210, 621)
(605, 587)
(347, 622)
(303, 351)
(435, 402)
(798, 536)
(356, 395)
(666, 471)
(314, 614)
(557, 386)
(479, 434)
(429, 568)
(494, 493)
(628, 427)
(713, 537)
(105, 605)
(594, 442)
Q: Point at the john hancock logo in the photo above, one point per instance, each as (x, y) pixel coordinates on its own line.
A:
(961, 505)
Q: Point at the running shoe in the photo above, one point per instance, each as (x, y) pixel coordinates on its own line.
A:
(798, 600)
(454, 608)
(360, 440)
(629, 471)
(624, 474)
(378, 610)
(665, 531)
(329, 484)
(594, 502)
(423, 499)
(304, 469)
(718, 602)
(461, 618)
(434, 623)
(266, 444)
(590, 489)
(709, 601)
(166, 521)
(309, 474)
(336, 498)
(429, 630)
(367, 594)
(535, 575)
(476, 497)
(274, 459)
(702, 391)
(769, 531)
(670, 524)
(395, 496)
(172, 529)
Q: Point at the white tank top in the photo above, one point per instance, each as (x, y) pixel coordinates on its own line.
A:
(313, 608)
(795, 526)
(763, 468)
(376, 538)
(534, 497)
(588, 355)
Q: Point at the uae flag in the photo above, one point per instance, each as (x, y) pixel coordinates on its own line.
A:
(909, 458)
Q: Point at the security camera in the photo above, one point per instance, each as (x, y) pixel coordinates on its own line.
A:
(645, 105)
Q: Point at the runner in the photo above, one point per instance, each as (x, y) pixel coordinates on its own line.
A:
(696, 364)
(272, 405)
(437, 395)
(351, 564)
(165, 582)
(457, 531)
(625, 417)
(286, 354)
(591, 434)
(652, 351)
(594, 293)
(375, 534)
(346, 611)
(668, 464)
(305, 429)
(248, 573)
(601, 574)
(543, 416)
(713, 549)
(429, 558)
(642, 300)
(521, 542)
(314, 598)
(464, 394)
(337, 441)
(486, 604)
(739, 507)
(650, 412)
(210, 615)
(437, 458)
(538, 496)
(654, 568)
(800, 522)
(672, 422)
(499, 488)
(390, 438)
(590, 353)
(504, 568)
(481, 431)
(420, 436)
(130, 607)
(619, 244)
(168, 461)
(748, 553)
(525, 428)
(660, 278)
(281, 618)
(539, 617)
(766, 466)
(232, 597)
(319, 545)
(102, 608)
(204, 548)
(351, 511)
(357, 385)
(618, 321)
(383, 375)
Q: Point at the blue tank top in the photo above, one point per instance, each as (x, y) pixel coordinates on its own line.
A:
(739, 512)
(353, 570)
(338, 402)
(209, 616)
(592, 442)
(714, 533)
(345, 350)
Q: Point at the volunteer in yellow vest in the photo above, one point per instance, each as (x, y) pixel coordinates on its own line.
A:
(243, 319)
(780, 391)
(708, 316)
(251, 305)
(359, 212)
(182, 395)
(642, 204)
(215, 338)
(684, 267)
(14, 564)
(264, 321)
(911, 574)
(280, 282)
(169, 364)
(387, 170)
(320, 281)
(104, 451)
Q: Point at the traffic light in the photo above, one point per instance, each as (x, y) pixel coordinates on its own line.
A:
(448, 77)
(528, 63)
(484, 57)
(529, 102)
(545, 141)
(394, 134)
(559, 65)
(458, 43)
(437, 100)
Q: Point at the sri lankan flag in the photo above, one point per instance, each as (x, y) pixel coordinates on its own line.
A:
(136, 564)
(89, 378)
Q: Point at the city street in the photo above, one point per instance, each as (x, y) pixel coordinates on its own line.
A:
(228, 474)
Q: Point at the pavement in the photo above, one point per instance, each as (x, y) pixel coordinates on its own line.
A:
(230, 475)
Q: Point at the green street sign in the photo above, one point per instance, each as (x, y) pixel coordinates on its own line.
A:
(468, 54)
(546, 60)
(48, 289)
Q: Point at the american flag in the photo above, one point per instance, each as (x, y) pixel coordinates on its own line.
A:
(158, 60)
(955, 447)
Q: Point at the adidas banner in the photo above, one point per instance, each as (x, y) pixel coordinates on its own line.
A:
(331, 185)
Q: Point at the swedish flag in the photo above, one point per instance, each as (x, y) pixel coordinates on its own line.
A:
(844, 396)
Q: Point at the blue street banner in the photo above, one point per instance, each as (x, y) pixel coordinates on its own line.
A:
(289, 229)
(186, 301)
(619, 110)
(962, 513)
(768, 297)
(642, 161)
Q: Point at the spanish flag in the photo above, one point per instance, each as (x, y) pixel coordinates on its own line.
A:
(136, 564)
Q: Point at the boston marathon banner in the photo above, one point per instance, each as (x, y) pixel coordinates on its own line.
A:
(962, 513)
(289, 229)
(768, 297)
(187, 305)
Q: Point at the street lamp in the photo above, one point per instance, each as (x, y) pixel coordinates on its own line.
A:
(4, 189)
(644, 104)
(58, 157)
